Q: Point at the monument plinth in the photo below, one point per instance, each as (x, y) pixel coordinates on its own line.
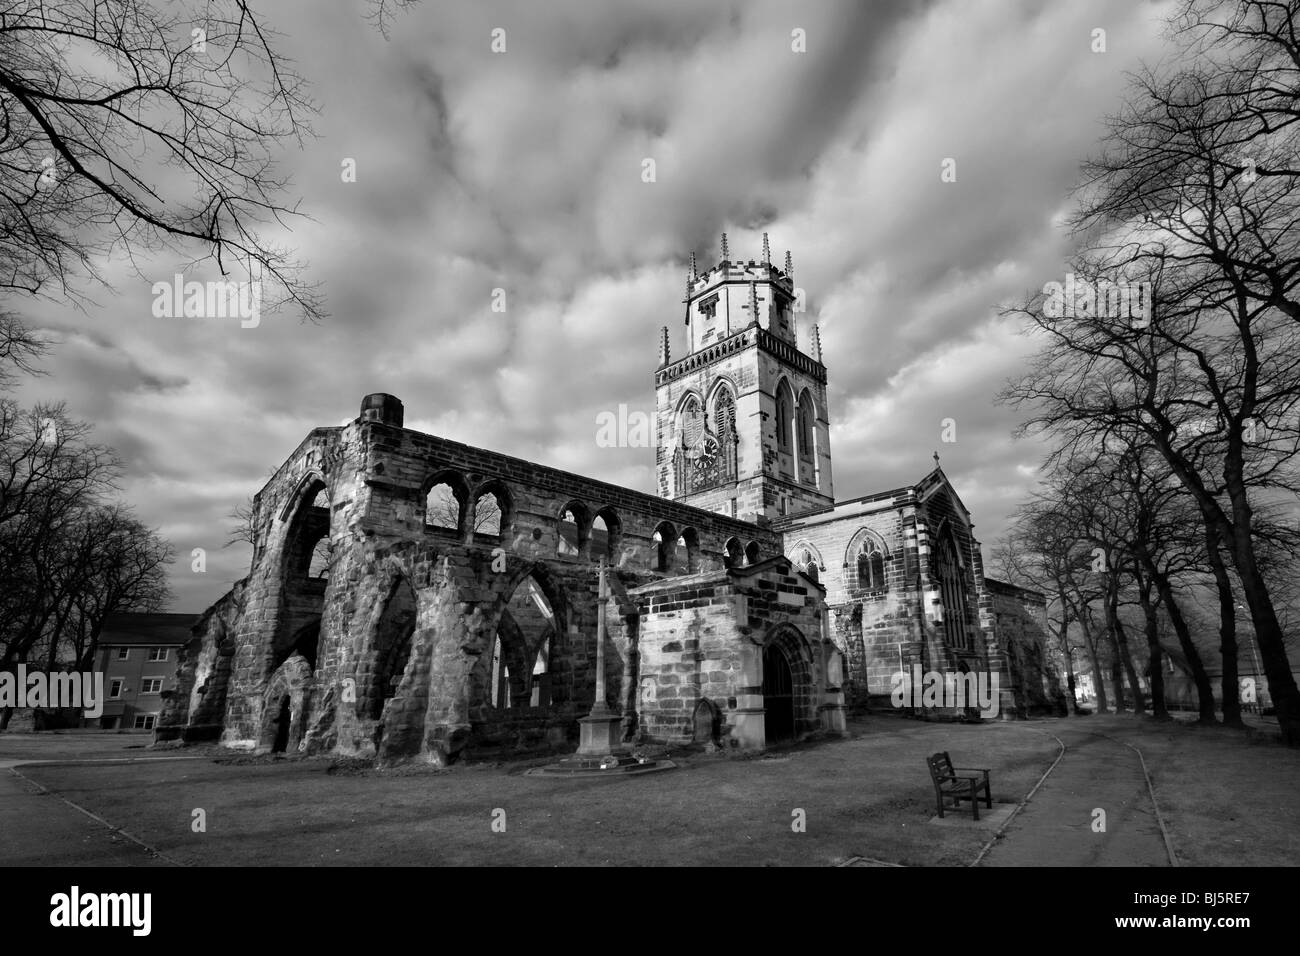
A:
(601, 750)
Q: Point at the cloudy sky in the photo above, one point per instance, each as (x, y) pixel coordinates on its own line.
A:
(523, 170)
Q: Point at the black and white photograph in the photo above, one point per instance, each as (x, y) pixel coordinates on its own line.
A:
(842, 434)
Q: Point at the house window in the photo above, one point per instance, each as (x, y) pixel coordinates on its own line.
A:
(158, 654)
(115, 688)
(145, 721)
(152, 685)
(871, 566)
(123, 653)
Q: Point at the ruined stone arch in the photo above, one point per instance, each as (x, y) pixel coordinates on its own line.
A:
(573, 539)
(689, 539)
(295, 599)
(753, 553)
(460, 492)
(385, 655)
(733, 553)
(665, 538)
(505, 502)
(613, 543)
(313, 481)
(554, 592)
(304, 642)
(520, 650)
(284, 706)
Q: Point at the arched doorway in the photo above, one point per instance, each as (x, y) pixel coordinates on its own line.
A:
(281, 743)
(778, 695)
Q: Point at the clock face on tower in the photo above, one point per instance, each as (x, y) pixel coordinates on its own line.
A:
(706, 461)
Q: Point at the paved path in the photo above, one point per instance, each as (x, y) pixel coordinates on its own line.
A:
(1055, 827)
(39, 829)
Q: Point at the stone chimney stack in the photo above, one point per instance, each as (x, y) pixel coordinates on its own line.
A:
(384, 408)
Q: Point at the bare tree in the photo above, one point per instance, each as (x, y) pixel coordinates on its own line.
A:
(130, 126)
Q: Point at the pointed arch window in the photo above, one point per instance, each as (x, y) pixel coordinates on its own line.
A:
(724, 423)
(807, 423)
(808, 565)
(952, 591)
(783, 415)
(871, 566)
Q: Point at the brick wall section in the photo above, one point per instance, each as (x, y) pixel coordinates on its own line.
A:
(881, 631)
(196, 710)
(375, 475)
(1021, 621)
(703, 638)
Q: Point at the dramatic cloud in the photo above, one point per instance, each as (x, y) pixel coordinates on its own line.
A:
(522, 171)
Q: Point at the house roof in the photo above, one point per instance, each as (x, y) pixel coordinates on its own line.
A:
(131, 628)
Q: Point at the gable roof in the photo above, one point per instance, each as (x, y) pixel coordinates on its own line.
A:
(935, 480)
(132, 628)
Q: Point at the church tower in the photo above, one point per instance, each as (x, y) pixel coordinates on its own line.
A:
(743, 427)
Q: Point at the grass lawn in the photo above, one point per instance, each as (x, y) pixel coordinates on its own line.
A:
(1225, 801)
(1228, 799)
(867, 796)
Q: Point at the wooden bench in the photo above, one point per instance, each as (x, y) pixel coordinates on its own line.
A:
(949, 784)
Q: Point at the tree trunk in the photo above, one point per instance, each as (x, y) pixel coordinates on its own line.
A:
(1268, 635)
(1204, 689)
(1073, 703)
(1090, 641)
(1268, 630)
(1069, 666)
(1227, 629)
(1125, 658)
(1159, 710)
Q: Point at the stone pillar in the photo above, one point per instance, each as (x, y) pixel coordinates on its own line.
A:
(447, 726)
(831, 713)
(749, 722)
(601, 732)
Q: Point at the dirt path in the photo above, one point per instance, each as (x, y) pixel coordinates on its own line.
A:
(1056, 827)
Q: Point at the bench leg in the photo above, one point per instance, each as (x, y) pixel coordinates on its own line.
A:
(974, 800)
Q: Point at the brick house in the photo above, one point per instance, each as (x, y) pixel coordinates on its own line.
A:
(137, 654)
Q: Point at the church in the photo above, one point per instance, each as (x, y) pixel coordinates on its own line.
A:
(411, 597)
